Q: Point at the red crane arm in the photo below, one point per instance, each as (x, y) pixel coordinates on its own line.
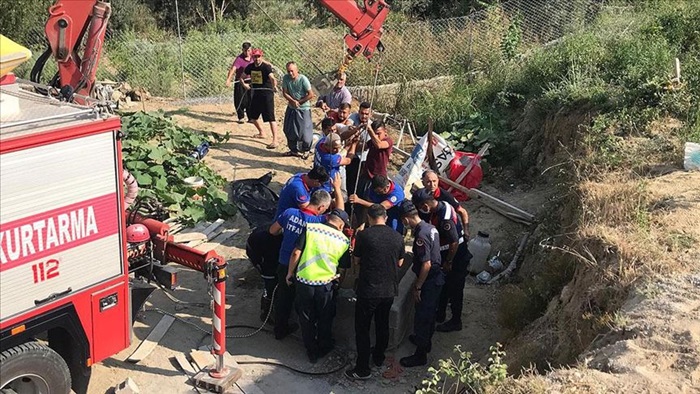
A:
(69, 21)
(365, 23)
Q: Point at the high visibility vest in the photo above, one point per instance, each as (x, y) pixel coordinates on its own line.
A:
(324, 247)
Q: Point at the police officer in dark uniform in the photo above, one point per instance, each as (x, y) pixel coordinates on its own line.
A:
(454, 253)
(428, 285)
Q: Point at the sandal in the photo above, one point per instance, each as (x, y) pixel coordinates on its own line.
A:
(259, 136)
(291, 154)
(272, 146)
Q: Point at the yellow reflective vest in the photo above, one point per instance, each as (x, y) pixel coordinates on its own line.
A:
(319, 261)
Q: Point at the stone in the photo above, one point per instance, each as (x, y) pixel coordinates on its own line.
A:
(127, 387)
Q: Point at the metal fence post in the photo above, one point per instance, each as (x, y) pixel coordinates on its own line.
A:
(179, 44)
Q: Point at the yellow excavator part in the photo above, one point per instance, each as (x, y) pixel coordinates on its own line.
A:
(11, 55)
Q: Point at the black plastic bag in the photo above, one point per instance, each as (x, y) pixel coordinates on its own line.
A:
(256, 201)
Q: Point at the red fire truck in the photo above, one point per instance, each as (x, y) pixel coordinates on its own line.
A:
(65, 263)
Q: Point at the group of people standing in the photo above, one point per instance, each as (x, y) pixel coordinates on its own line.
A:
(254, 94)
(303, 255)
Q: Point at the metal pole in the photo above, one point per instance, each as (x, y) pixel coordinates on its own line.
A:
(218, 271)
(179, 44)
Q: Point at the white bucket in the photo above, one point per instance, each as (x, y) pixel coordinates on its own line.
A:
(194, 182)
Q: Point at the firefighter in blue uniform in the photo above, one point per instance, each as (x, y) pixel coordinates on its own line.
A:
(428, 285)
(454, 253)
(385, 192)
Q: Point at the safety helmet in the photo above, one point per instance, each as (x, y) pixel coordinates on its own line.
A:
(137, 233)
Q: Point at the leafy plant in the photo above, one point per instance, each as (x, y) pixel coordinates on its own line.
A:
(461, 375)
(157, 152)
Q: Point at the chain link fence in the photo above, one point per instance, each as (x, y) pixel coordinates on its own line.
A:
(195, 67)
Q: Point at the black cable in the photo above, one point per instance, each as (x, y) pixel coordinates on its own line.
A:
(278, 364)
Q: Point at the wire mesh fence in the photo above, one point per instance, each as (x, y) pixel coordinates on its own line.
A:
(195, 67)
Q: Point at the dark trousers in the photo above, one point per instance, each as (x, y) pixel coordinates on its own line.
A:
(299, 129)
(241, 98)
(453, 291)
(284, 300)
(365, 309)
(315, 306)
(424, 320)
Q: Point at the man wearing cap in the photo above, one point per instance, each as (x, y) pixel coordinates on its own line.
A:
(431, 183)
(333, 157)
(386, 193)
(298, 127)
(262, 96)
(454, 255)
(428, 284)
(379, 252)
(291, 223)
(297, 191)
(317, 264)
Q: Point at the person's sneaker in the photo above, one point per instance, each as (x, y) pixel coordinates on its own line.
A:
(304, 155)
(412, 339)
(415, 360)
(282, 333)
(353, 374)
(449, 326)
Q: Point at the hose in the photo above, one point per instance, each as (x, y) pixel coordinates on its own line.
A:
(132, 188)
(234, 326)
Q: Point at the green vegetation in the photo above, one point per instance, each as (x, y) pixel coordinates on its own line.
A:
(621, 69)
(156, 151)
(462, 375)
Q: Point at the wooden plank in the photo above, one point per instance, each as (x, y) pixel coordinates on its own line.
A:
(188, 237)
(185, 365)
(215, 234)
(212, 227)
(490, 201)
(202, 359)
(225, 235)
(151, 341)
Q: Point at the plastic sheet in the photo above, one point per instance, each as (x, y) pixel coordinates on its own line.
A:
(692, 157)
(255, 200)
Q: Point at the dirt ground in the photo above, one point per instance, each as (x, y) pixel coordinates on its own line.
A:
(246, 157)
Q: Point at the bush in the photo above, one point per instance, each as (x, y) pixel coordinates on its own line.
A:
(462, 375)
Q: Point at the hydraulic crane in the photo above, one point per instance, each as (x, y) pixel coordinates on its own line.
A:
(71, 22)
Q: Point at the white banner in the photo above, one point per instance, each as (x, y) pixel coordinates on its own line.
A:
(414, 166)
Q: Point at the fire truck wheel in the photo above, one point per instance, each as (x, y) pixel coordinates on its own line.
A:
(33, 368)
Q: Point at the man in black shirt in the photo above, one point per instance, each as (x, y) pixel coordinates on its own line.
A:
(455, 257)
(262, 99)
(428, 285)
(379, 251)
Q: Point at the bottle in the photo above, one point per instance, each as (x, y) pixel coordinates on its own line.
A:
(479, 247)
(200, 151)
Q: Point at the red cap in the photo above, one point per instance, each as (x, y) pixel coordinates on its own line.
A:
(257, 52)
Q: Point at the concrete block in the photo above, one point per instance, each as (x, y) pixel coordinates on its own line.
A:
(127, 387)
(402, 310)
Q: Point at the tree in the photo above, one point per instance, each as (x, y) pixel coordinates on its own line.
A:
(24, 21)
